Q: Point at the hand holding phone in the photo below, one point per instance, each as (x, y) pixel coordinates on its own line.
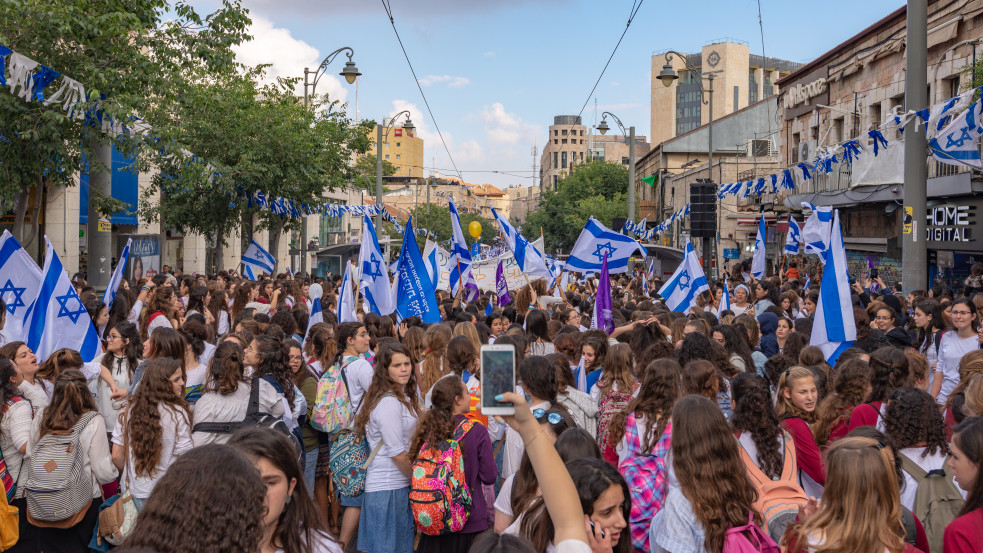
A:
(497, 378)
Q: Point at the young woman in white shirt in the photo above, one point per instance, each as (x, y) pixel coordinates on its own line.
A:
(35, 389)
(956, 343)
(292, 523)
(388, 416)
(15, 431)
(121, 359)
(153, 430)
(196, 368)
(71, 403)
(931, 327)
(219, 307)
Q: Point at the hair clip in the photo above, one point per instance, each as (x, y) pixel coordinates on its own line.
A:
(879, 445)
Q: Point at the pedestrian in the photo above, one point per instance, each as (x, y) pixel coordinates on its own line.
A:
(539, 382)
(954, 344)
(835, 411)
(914, 424)
(888, 371)
(795, 409)
(965, 533)
(614, 390)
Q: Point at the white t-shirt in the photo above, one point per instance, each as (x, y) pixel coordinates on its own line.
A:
(108, 407)
(223, 322)
(196, 376)
(394, 424)
(214, 407)
(160, 321)
(359, 376)
(951, 351)
(503, 503)
(15, 432)
(39, 393)
(97, 462)
(206, 355)
(175, 439)
(512, 456)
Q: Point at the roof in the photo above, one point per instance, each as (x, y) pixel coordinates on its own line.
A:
(397, 213)
(487, 190)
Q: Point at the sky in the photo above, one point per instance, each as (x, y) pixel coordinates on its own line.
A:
(496, 72)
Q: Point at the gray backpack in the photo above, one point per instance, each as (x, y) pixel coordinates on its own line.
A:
(58, 493)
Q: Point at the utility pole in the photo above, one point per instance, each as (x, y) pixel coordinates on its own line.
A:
(914, 253)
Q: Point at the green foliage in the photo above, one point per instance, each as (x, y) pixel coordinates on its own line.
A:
(438, 221)
(365, 169)
(596, 188)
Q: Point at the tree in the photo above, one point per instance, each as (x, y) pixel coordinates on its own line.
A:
(366, 167)
(131, 56)
(438, 221)
(595, 188)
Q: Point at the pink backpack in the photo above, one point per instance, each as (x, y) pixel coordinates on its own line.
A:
(749, 539)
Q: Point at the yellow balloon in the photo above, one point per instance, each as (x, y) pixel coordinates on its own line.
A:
(475, 229)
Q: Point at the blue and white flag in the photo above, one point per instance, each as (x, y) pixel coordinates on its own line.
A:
(724, 301)
(374, 277)
(808, 283)
(414, 291)
(759, 263)
(530, 260)
(317, 315)
(794, 237)
(460, 260)
(582, 376)
(686, 283)
(815, 231)
(488, 307)
(431, 259)
(640, 227)
(110, 294)
(596, 241)
(257, 259)
(958, 143)
(58, 319)
(20, 278)
(346, 298)
(835, 328)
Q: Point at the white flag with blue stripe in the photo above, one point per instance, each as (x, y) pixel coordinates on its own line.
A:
(794, 237)
(595, 241)
(958, 143)
(686, 283)
(58, 319)
(317, 315)
(374, 278)
(113, 286)
(20, 278)
(758, 259)
(530, 260)
(725, 300)
(815, 231)
(835, 327)
(346, 298)
(257, 259)
(460, 260)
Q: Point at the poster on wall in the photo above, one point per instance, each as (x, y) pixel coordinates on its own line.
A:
(144, 255)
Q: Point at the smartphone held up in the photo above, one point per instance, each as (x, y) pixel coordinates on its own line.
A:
(497, 377)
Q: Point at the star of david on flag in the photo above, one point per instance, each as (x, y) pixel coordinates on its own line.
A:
(373, 280)
(688, 282)
(596, 241)
(21, 278)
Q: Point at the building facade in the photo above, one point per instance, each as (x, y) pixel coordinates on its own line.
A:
(859, 85)
(740, 79)
(569, 143)
(401, 148)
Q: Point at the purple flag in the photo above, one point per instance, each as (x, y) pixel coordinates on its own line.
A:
(602, 302)
(501, 286)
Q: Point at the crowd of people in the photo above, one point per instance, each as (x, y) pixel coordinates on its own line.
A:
(217, 418)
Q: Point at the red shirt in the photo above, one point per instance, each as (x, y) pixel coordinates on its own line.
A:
(965, 534)
(865, 414)
(807, 453)
(792, 273)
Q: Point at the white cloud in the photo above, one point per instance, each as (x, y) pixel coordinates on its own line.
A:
(470, 151)
(453, 82)
(288, 56)
(507, 129)
(489, 54)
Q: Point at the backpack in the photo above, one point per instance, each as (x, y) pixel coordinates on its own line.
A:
(332, 403)
(607, 408)
(349, 459)
(937, 500)
(749, 539)
(58, 493)
(439, 496)
(778, 500)
(645, 472)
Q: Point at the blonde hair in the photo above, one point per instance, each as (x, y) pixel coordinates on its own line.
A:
(861, 507)
(785, 408)
(619, 366)
(436, 337)
(974, 396)
(467, 329)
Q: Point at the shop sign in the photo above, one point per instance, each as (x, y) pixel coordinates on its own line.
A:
(950, 223)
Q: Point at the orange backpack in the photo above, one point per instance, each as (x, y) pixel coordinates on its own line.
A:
(778, 500)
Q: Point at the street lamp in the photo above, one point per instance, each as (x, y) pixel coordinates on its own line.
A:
(382, 133)
(603, 128)
(667, 76)
(350, 73)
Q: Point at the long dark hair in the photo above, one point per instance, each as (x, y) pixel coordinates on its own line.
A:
(735, 344)
(132, 350)
(657, 395)
(275, 362)
(226, 369)
(70, 400)
(437, 423)
(141, 420)
(8, 390)
(933, 309)
(849, 388)
(536, 322)
(771, 293)
(300, 521)
(754, 413)
(382, 384)
(888, 370)
(968, 437)
(912, 418)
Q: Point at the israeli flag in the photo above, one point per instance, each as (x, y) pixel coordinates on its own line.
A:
(257, 259)
(640, 227)
(374, 277)
(794, 237)
(758, 259)
(594, 242)
(414, 291)
(317, 315)
(686, 283)
(20, 278)
(835, 328)
(431, 260)
(530, 260)
(815, 231)
(460, 260)
(724, 301)
(58, 319)
(110, 295)
(958, 143)
(346, 298)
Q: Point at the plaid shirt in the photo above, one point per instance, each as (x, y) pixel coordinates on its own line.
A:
(646, 477)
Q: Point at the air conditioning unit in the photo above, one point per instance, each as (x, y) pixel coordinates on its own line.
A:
(807, 150)
(761, 147)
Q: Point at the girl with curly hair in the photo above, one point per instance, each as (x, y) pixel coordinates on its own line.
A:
(15, 430)
(71, 404)
(163, 342)
(643, 434)
(451, 401)
(161, 312)
(860, 510)
(246, 293)
(888, 371)
(796, 407)
(835, 410)
(697, 346)
(695, 516)
(388, 417)
(209, 517)
(226, 395)
(292, 523)
(913, 422)
(963, 534)
(154, 429)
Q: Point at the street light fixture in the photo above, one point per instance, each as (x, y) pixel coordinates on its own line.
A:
(382, 133)
(350, 73)
(603, 128)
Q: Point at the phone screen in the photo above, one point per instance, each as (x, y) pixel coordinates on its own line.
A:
(497, 376)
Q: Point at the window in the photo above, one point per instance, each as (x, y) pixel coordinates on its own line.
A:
(556, 132)
(397, 156)
(737, 96)
(838, 129)
(387, 144)
(564, 141)
(563, 162)
(581, 154)
(554, 181)
(555, 154)
(581, 140)
(581, 133)
(397, 144)
(556, 141)
(398, 169)
(624, 161)
(387, 156)
(874, 115)
(564, 132)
